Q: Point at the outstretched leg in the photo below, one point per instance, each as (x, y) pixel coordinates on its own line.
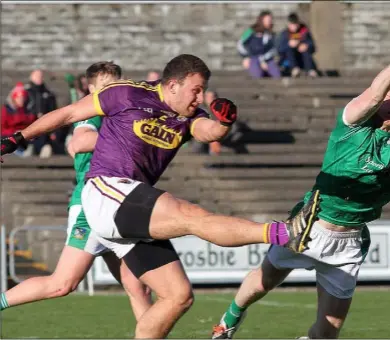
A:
(127, 209)
(172, 217)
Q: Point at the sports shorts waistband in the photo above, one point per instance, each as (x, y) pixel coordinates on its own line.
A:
(336, 234)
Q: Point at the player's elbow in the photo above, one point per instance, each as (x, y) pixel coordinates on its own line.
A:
(376, 97)
(215, 133)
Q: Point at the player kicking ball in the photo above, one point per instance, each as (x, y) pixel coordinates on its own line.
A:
(145, 125)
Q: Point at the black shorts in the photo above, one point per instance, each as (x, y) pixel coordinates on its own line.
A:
(133, 216)
(146, 256)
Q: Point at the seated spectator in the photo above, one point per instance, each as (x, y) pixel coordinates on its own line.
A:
(296, 47)
(14, 115)
(153, 76)
(41, 101)
(257, 47)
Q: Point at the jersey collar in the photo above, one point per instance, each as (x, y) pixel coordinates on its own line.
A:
(160, 93)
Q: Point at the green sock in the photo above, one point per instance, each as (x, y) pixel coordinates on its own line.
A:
(3, 302)
(233, 314)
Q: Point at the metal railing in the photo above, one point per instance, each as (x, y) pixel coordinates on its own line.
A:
(12, 236)
(12, 270)
(3, 259)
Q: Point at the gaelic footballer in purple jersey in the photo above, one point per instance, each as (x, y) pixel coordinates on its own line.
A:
(141, 135)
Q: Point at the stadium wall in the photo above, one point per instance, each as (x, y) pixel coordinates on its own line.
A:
(70, 36)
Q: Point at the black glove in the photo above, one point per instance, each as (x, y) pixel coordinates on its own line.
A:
(224, 110)
(10, 144)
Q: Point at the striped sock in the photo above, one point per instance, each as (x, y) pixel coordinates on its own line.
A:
(276, 233)
(233, 314)
(3, 302)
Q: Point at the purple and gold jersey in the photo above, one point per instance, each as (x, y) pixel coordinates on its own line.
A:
(141, 134)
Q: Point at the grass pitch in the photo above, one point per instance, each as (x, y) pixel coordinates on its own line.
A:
(282, 314)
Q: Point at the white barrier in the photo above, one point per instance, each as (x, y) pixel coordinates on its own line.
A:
(3, 260)
(206, 263)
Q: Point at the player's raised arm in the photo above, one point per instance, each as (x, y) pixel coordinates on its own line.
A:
(208, 130)
(53, 120)
(364, 106)
(81, 110)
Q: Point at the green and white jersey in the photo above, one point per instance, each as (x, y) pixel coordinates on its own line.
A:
(354, 181)
(82, 160)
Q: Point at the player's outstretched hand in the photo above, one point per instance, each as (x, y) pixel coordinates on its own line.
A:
(10, 144)
(224, 110)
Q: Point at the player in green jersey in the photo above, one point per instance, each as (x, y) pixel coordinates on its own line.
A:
(81, 246)
(354, 183)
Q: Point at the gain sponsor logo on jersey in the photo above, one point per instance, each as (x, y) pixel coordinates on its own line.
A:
(153, 132)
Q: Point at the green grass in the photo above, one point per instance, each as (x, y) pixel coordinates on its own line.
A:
(280, 315)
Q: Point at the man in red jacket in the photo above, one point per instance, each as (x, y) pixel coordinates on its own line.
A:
(14, 116)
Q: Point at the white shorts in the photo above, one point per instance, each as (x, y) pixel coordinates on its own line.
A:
(80, 235)
(101, 198)
(336, 257)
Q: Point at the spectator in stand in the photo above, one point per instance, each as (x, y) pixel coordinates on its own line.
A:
(42, 100)
(153, 76)
(257, 47)
(14, 115)
(297, 46)
(82, 86)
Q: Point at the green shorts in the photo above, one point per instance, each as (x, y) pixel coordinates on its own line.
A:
(80, 235)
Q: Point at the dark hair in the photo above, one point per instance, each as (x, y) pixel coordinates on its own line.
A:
(258, 26)
(79, 79)
(265, 13)
(105, 67)
(293, 18)
(182, 66)
(79, 84)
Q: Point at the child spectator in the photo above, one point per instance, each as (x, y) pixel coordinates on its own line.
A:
(297, 46)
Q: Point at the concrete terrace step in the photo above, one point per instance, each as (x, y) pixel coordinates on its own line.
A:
(282, 149)
(49, 186)
(288, 159)
(260, 110)
(30, 209)
(335, 90)
(41, 174)
(239, 184)
(176, 173)
(37, 197)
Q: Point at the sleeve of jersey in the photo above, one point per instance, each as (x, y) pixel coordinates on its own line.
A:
(112, 99)
(201, 115)
(340, 122)
(92, 123)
